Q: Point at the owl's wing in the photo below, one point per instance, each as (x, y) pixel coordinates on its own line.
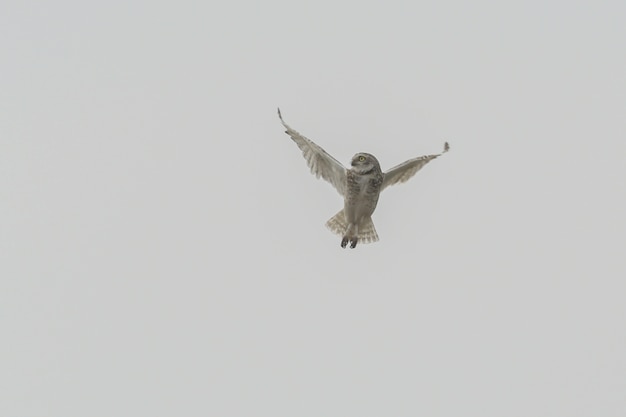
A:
(321, 163)
(404, 171)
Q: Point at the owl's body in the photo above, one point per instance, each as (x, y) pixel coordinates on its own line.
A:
(360, 186)
(354, 222)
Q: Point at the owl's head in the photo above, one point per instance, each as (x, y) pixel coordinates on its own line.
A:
(364, 163)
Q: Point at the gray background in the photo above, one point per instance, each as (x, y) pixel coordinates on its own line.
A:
(162, 244)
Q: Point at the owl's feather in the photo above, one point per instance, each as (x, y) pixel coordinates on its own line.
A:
(403, 172)
(321, 163)
(338, 224)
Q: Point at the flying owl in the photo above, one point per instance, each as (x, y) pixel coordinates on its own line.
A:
(360, 186)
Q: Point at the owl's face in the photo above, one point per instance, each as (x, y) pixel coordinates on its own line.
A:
(364, 163)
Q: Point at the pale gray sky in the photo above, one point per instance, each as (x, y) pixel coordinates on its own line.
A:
(162, 246)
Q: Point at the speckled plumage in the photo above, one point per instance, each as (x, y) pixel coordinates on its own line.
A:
(360, 186)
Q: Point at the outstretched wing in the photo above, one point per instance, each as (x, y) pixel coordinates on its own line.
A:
(321, 163)
(404, 171)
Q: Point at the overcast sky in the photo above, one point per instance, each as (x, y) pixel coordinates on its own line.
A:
(162, 241)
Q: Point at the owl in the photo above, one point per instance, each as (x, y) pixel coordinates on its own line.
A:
(360, 185)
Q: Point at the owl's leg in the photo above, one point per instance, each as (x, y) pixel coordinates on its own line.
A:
(354, 238)
(351, 236)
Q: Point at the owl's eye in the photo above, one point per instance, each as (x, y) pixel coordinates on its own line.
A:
(361, 158)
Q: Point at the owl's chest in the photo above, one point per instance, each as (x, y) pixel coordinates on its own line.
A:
(363, 188)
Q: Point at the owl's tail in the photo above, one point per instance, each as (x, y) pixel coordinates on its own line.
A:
(338, 224)
(366, 233)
